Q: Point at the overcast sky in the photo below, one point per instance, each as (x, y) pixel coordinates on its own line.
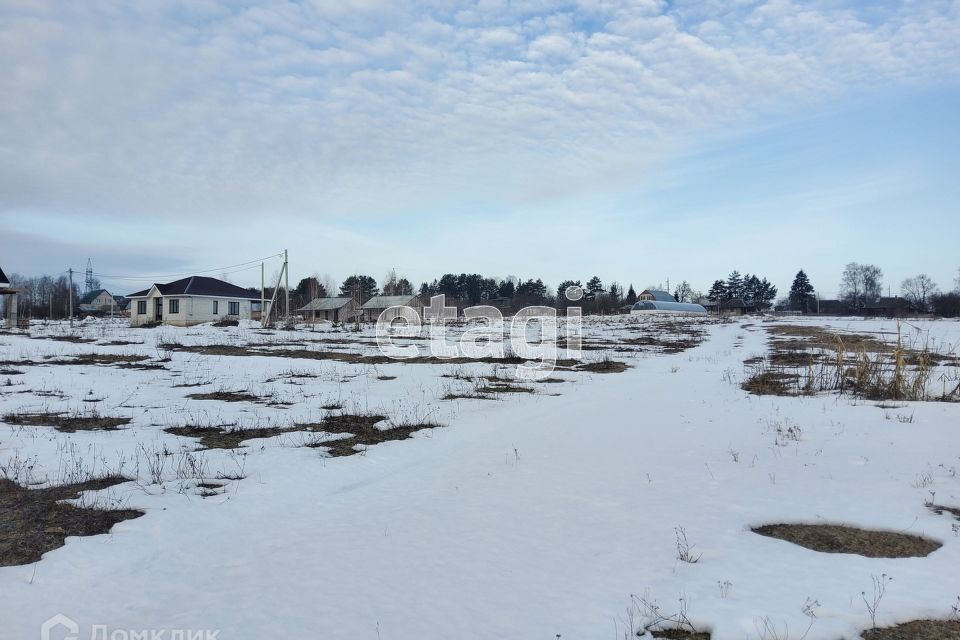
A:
(638, 141)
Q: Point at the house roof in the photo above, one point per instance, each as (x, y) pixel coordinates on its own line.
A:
(90, 296)
(325, 304)
(3, 278)
(735, 303)
(199, 286)
(888, 303)
(659, 295)
(382, 302)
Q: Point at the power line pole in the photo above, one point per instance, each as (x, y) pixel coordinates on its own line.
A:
(263, 293)
(286, 275)
(70, 294)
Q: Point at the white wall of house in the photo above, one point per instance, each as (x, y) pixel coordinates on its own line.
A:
(184, 311)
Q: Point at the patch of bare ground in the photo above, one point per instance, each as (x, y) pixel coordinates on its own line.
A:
(99, 359)
(225, 437)
(771, 383)
(362, 432)
(680, 634)
(831, 538)
(121, 361)
(35, 521)
(342, 356)
(73, 339)
(225, 396)
(940, 509)
(917, 630)
(603, 366)
(119, 343)
(67, 422)
(811, 337)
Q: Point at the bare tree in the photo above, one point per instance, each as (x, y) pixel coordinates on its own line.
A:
(390, 283)
(918, 290)
(861, 284)
(956, 282)
(683, 292)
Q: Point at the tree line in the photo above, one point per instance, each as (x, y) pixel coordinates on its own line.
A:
(754, 292)
(45, 296)
(861, 287)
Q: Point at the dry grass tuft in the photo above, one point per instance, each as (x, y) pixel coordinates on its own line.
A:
(67, 423)
(917, 630)
(829, 538)
(225, 396)
(35, 521)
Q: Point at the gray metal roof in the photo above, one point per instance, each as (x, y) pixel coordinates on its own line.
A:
(659, 295)
(325, 304)
(382, 302)
(672, 307)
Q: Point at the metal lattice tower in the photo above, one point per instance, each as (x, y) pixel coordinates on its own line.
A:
(88, 284)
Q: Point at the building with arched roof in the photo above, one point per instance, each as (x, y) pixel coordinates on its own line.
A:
(657, 306)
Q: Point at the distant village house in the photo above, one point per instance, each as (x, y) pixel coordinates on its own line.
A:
(373, 307)
(100, 302)
(330, 309)
(191, 301)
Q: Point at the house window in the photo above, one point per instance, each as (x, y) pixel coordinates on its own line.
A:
(216, 307)
(174, 306)
(234, 308)
(141, 307)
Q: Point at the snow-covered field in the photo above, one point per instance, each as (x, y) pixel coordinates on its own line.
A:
(549, 514)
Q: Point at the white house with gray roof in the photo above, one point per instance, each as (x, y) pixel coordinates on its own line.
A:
(191, 301)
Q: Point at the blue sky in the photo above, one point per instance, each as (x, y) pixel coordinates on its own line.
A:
(638, 141)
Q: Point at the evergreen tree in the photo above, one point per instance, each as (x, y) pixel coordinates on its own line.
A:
(507, 289)
(734, 285)
(718, 292)
(562, 291)
(448, 286)
(766, 294)
(801, 292)
(307, 289)
(594, 285)
(366, 285)
(616, 293)
(752, 293)
(631, 295)
(404, 288)
(533, 289)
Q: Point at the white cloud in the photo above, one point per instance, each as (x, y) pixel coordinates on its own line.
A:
(327, 108)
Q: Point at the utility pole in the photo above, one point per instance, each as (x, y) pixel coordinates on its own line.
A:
(263, 293)
(286, 275)
(70, 294)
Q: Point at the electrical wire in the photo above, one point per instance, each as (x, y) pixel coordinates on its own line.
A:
(246, 266)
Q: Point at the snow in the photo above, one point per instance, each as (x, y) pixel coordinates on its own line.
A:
(534, 516)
